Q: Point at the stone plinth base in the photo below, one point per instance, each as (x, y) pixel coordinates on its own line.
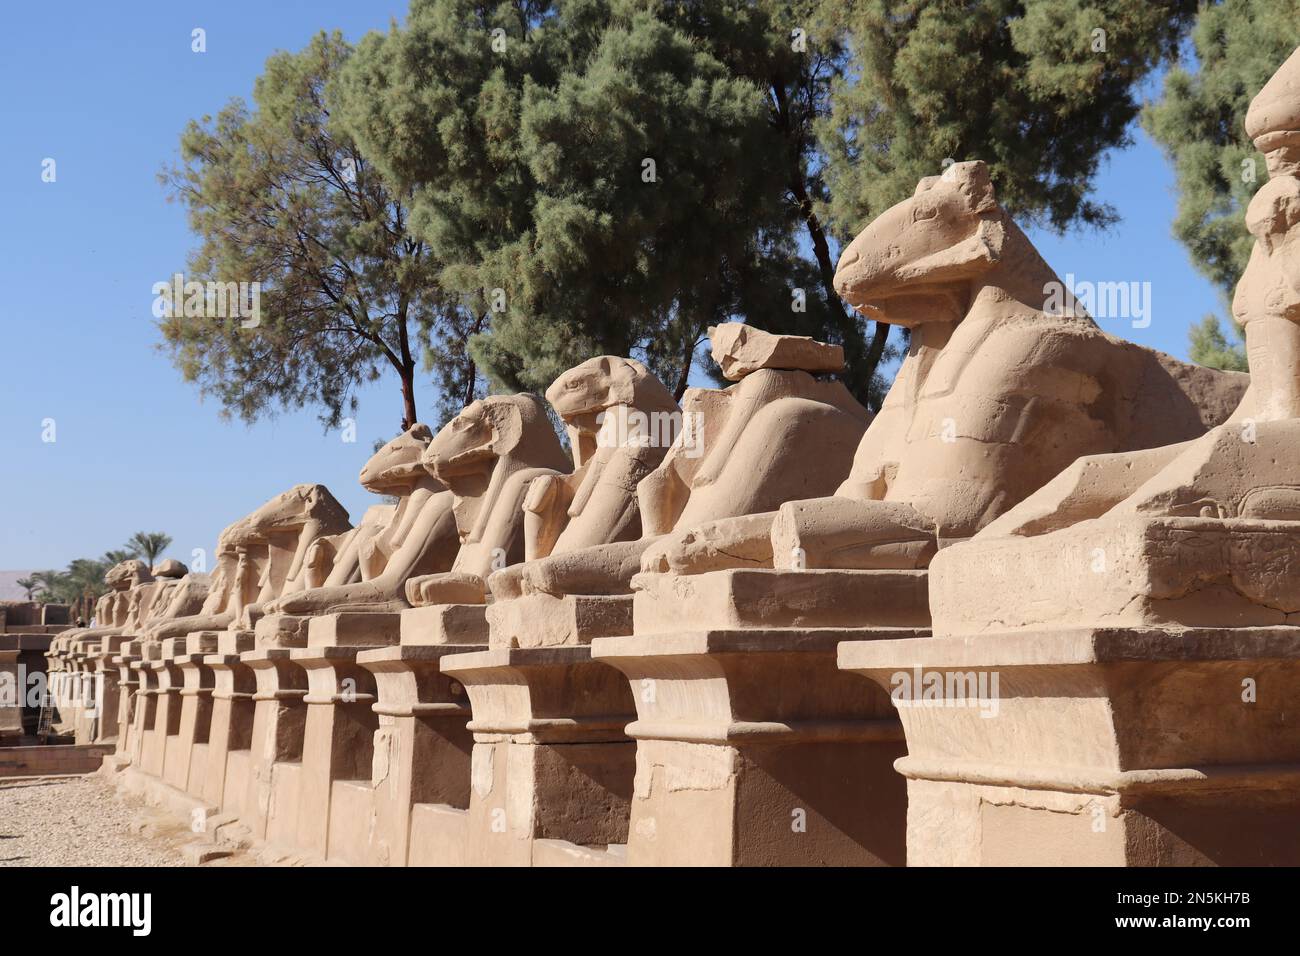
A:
(545, 620)
(765, 598)
(280, 630)
(421, 749)
(445, 624)
(550, 760)
(753, 750)
(353, 629)
(1122, 571)
(1098, 746)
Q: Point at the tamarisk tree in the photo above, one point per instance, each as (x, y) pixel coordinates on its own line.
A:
(280, 196)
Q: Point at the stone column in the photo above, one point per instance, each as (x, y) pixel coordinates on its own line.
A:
(128, 682)
(148, 707)
(167, 715)
(752, 748)
(1097, 746)
(334, 803)
(422, 745)
(552, 770)
(230, 739)
(278, 719)
(186, 758)
(107, 678)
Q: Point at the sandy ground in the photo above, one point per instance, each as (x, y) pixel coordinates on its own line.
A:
(81, 821)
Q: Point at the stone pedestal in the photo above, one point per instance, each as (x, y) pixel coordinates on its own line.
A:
(230, 736)
(752, 749)
(82, 718)
(107, 681)
(159, 737)
(421, 747)
(338, 736)
(149, 694)
(550, 760)
(1098, 746)
(12, 691)
(186, 757)
(128, 683)
(269, 804)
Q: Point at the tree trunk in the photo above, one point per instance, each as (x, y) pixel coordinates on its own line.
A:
(407, 368)
(860, 363)
(471, 376)
(688, 360)
(408, 395)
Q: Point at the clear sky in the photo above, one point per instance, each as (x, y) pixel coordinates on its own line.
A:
(104, 89)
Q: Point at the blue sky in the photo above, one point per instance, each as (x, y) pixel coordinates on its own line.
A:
(104, 89)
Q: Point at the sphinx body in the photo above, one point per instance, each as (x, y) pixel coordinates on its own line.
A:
(389, 547)
(1005, 383)
(774, 434)
(618, 416)
(256, 556)
(487, 456)
(1197, 533)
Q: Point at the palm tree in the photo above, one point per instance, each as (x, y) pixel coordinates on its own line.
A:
(149, 544)
(29, 585)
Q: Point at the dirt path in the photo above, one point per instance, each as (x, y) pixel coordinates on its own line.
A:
(81, 821)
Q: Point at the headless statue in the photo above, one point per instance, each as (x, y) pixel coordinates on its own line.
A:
(621, 421)
(212, 614)
(488, 455)
(1005, 383)
(185, 595)
(420, 538)
(779, 432)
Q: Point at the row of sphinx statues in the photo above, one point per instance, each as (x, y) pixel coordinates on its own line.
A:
(784, 468)
(1017, 441)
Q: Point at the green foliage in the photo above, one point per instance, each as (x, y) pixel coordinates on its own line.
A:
(149, 545)
(1209, 346)
(84, 577)
(30, 585)
(600, 179)
(525, 162)
(1200, 123)
(1019, 84)
(279, 196)
(539, 181)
